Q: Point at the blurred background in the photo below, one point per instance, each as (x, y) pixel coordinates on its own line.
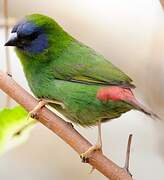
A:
(130, 34)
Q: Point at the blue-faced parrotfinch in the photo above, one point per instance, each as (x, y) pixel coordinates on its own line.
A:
(70, 76)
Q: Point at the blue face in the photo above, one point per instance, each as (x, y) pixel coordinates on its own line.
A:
(28, 37)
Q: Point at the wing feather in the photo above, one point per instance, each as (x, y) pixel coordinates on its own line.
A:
(79, 63)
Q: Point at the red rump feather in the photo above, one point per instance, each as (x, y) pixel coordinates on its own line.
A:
(116, 93)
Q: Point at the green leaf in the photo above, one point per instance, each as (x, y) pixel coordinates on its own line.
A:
(14, 127)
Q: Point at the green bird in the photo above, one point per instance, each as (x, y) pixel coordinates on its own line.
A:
(70, 76)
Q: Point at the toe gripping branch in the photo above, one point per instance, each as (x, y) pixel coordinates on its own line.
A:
(127, 158)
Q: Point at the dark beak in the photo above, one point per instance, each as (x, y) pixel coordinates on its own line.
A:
(13, 40)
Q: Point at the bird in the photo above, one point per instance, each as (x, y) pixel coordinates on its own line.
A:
(71, 77)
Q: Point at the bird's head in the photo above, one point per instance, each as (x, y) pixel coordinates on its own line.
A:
(33, 35)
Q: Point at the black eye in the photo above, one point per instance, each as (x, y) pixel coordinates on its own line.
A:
(34, 35)
(29, 37)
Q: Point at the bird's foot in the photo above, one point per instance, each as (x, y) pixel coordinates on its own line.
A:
(34, 112)
(85, 156)
(42, 103)
(97, 147)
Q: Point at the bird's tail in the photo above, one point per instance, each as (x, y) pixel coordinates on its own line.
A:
(143, 109)
(117, 93)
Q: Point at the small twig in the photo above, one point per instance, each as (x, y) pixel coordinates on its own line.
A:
(62, 129)
(126, 166)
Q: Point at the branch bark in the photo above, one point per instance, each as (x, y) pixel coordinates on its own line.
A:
(62, 129)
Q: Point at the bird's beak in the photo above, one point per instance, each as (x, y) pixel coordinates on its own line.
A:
(13, 40)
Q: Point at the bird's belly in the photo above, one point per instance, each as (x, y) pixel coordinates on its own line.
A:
(90, 113)
(81, 105)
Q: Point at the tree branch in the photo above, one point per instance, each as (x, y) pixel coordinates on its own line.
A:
(62, 129)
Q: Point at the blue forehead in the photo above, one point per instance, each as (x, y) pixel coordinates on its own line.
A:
(25, 28)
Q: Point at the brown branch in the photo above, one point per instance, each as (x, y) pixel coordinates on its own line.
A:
(63, 130)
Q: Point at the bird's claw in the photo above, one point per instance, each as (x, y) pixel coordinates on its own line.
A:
(85, 156)
(33, 115)
(86, 160)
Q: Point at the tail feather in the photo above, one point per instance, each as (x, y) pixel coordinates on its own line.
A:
(117, 93)
(143, 109)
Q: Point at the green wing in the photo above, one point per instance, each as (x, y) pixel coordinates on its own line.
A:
(82, 64)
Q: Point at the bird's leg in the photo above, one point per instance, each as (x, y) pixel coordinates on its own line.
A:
(42, 103)
(126, 166)
(34, 112)
(98, 146)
